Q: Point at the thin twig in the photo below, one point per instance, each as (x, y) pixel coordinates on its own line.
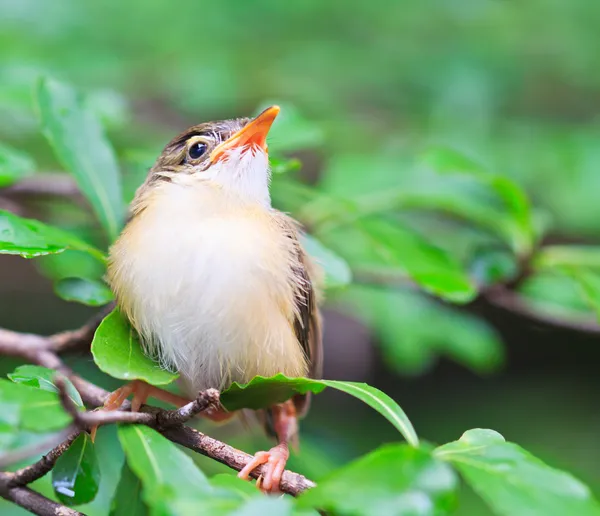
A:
(43, 185)
(204, 401)
(72, 339)
(509, 301)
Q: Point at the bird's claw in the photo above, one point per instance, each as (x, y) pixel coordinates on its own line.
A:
(275, 460)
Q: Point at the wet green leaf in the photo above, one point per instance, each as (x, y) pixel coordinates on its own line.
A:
(30, 238)
(117, 352)
(76, 474)
(14, 165)
(394, 480)
(85, 291)
(263, 392)
(80, 144)
(110, 460)
(43, 378)
(512, 481)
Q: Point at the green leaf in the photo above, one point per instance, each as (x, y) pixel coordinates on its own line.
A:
(567, 255)
(43, 378)
(284, 166)
(433, 269)
(76, 475)
(14, 165)
(81, 146)
(30, 238)
(117, 352)
(337, 270)
(9, 423)
(264, 505)
(394, 480)
(232, 484)
(512, 481)
(516, 203)
(557, 292)
(376, 245)
(39, 410)
(128, 496)
(110, 460)
(491, 266)
(413, 329)
(85, 291)
(263, 392)
(589, 282)
(168, 475)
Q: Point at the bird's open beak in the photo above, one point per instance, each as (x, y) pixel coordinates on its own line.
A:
(253, 134)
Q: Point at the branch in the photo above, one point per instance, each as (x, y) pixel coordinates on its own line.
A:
(497, 296)
(169, 423)
(81, 337)
(34, 501)
(43, 351)
(43, 185)
(291, 483)
(505, 299)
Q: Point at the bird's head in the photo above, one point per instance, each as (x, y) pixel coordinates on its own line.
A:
(230, 153)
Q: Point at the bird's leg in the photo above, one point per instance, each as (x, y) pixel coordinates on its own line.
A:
(285, 423)
(141, 392)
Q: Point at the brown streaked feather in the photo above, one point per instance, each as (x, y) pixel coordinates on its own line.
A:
(308, 329)
(307, 324)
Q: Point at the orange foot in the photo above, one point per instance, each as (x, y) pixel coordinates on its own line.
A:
(275, 459)
(141, 392)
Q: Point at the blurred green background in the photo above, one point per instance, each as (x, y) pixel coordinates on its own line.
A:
(365, 87)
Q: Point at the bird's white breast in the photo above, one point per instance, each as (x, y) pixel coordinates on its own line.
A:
(208, 283)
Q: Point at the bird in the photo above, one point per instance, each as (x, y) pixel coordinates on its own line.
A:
(216, 281)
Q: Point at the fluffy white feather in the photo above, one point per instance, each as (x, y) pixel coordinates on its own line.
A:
(205, 274)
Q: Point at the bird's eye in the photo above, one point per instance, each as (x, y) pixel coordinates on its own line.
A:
(197, 149)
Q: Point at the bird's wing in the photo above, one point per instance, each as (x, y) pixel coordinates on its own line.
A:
(307, 324)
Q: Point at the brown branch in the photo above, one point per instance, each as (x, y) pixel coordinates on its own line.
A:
(169, 423)
(81, 337)
(33, 501)
(291, 483)
(205, 400)
(43, 351)
(43, 185)
(505, 299)
(498, 296)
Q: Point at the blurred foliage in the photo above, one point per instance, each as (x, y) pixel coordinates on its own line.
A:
(435, 149)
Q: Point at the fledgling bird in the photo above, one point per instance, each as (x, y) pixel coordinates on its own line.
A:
(215, 280)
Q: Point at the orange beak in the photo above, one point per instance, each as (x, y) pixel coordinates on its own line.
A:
(253, 134)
